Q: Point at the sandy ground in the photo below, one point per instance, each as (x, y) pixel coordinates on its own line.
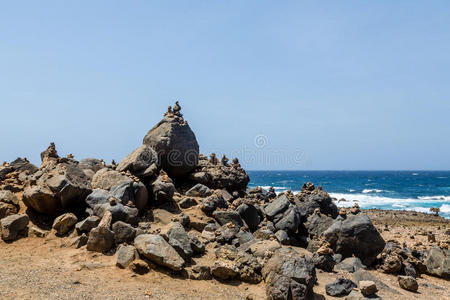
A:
(44, 268)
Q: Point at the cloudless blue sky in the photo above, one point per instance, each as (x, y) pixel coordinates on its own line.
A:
(329, 84)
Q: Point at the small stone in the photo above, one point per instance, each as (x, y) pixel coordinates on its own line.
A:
(125, 256)
(64, 223)
(408, 283)
(139, 267)
(367, 287)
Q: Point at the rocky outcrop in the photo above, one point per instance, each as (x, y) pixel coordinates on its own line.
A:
(311, 198)
(357, 236)
(175, 145)
(219, 176)
(288, 275)
(142, 162)
(60, 185)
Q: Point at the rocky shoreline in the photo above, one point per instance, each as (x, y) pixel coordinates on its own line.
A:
(169, 213)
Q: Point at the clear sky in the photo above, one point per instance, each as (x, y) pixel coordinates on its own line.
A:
(324, 84)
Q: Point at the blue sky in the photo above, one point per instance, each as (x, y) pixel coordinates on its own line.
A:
(329, 84)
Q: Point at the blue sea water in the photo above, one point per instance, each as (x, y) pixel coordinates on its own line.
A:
(399, 190)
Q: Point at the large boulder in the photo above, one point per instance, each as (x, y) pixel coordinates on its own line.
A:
(179, 240)
(290, 221)
(61, 185)
(156, 249)
(107, 178)
(317, 223)
(101, 238)
(438, 262)
(175, 144)
(357, 236)
(163, 188)
(277, 206)
(250, 214)
(12, 226)
(142, 162)
(9, 204)
(289, 275)
(226, 216)
(219, 176)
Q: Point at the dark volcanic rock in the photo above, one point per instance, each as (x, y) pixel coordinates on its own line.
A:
(316, 224)
(355, 235)
(199, 190)
(175, 144)
(212, 202)
(288, 275)
(179, 240)
(250, 215)
(123, 232)
(340, 287)
(224, 217)
(142, 162)
(126, 255)
(324, 262)
(290, 221)
(163, 188)
(311, 198)
(87, 224)
(350, 264)
(278, 206)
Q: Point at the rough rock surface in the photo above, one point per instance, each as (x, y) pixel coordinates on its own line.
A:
(12, 226)
(288, 275)
(142, 162)
(311, 198)
(163, 188)
(355, 235)
(156, 249)
(408, 283)
(340, 287)
(438, 262)
(125, 255)
(9, 204)
(64, 223)
(61, 185)
(199, 190)
(179, 240)
(175, 144)
(101, 238)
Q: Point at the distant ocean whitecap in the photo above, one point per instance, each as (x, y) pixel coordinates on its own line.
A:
(368, 191)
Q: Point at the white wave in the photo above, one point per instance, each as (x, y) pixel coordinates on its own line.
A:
(367, 201)
(367, 191)
(266, 187)
(419, 209)
(435, 198)
(399, 205)
(445, 208)
(415, 174)
(351, 191)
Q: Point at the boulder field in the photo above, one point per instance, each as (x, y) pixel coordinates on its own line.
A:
(165, 205)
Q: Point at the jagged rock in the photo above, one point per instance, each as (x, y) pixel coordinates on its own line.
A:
(125, 256)
(311, 198)
(87, 224)
(163, 189)
(23, 165)
(200, 273)
(213, 202)
(218, 176)
(142, 162)
(242, 237)
(123, 232)
(187, 202)
(90, 166)
(12, 226)
(199, 190)
(62, 185)
(340, 287)
(250, 215)
(179, 240)
(290, 221)
(367, 287)
(225, 195)
(134, 192)
(225, 217)
(224, 269)
(225, 234)
(79, 241)
(350, 264)
(324, 262)
(175, 145)
(408, 283)
(278, 206)
(101, 238)
(9, 204)
(438, 262)
(282, 237)
(355, 235)
(139, 266)
(316, 224)
(288, 275)
(156, 249)
(64, 223)
(262, 248)
(392, 264)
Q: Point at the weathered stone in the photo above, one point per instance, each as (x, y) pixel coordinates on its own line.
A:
(106, 179)
(9, 204)
(355, 235)
(163, 189)
(213, 202)
(324, 262)
(87, 224)
(438, 262)
(224, 269)
(262, 248)
(134, 192)
(288, 275)
(290, 221)
(225, 217)
(156, 249)
(367, 288)
(179, 240)
(123, 232)
(316, 224)
(12, 226)
(64, 223)
(340, 287)
(282, 237)
(175, 145)
(408, 283)
(250, 215)
(200, 273)
(350, 264)
(278, 206)
(311, 198)
(187, 202)
(142, 162)
(199, 190)
(79, 241)
(101, 238)
(125, 255)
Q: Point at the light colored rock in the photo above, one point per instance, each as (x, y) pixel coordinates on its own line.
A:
(64, 223)
(12, 226)
(367, 288)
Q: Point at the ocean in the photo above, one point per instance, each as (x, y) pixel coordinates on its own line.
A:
(398, 190)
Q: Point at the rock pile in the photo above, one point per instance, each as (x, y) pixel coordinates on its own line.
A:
(165, 206)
